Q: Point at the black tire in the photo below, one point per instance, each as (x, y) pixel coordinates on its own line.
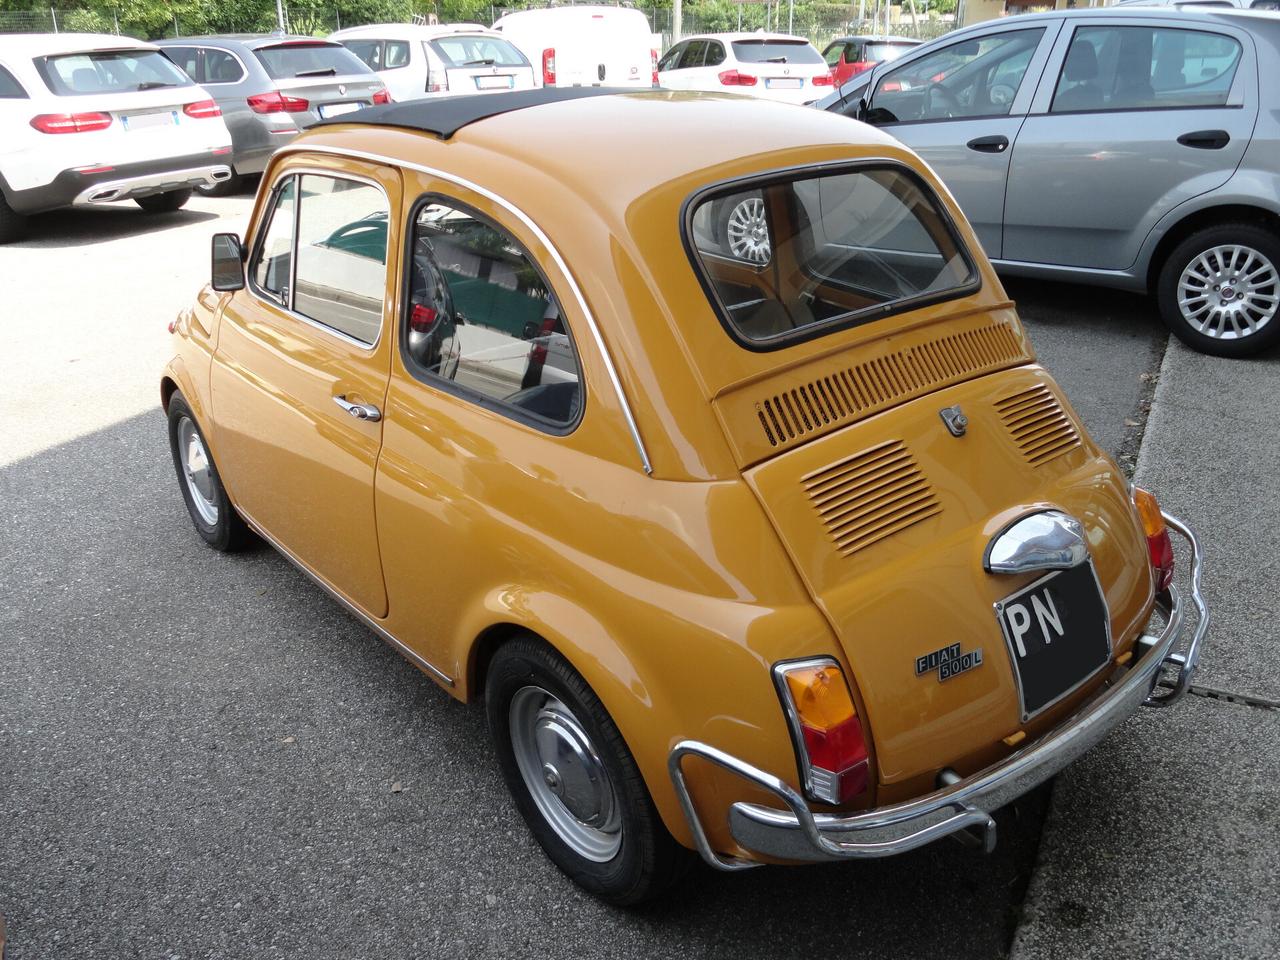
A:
(226, 188)
(169, 202)
(13, 225)
(227, 531)
(648, 860)
(1263, 243)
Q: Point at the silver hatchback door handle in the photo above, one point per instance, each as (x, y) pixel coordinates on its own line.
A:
(361, 411)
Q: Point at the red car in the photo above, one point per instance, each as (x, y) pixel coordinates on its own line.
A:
(849, 56)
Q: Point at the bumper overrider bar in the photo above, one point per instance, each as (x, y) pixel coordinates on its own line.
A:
(1158, 676)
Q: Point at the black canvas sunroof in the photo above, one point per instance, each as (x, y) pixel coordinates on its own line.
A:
(445, 116)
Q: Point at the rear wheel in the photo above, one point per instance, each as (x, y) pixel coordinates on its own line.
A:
(13, 225)
(1219, 291)
(573, 778)
(164, 202)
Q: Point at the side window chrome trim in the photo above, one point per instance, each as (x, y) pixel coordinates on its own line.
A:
(581, 301)
(293, 256)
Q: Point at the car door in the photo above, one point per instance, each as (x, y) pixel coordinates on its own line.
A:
(486, 381)
(300, 373)
(1134, 117)
(669, 64)
(960, 106)
(688, 71)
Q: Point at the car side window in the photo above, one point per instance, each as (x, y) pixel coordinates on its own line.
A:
(187, 59)
(1137, 68)
(481, 316)
(715, 54)
(273, 259)
(10, 89)
(220, 67)
(693, 55)
(341, 275)
(369, 51)
(973, 78)
(395, 55)
(832, 56)
(1265, 5)
(672, 57)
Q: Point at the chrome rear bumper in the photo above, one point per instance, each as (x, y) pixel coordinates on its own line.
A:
(144, 185)
(1159, 675)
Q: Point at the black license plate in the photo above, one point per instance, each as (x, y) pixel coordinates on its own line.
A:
(1059, 634)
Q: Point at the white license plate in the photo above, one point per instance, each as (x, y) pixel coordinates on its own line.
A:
(784, 84)
(493, 83)
(338, 109)
(141, 121)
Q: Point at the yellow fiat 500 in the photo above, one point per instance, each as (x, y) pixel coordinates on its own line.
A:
(699, 441)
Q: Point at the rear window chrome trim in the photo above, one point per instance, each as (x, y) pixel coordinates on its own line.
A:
(842, 322)
(606, 358)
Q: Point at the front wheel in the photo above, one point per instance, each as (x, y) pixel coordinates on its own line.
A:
(214, 517)
(1220, 289)
(573, 778)
(164, 202)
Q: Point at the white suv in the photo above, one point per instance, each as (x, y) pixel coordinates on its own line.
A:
(774, 66)
(417, 61)
(87, 118)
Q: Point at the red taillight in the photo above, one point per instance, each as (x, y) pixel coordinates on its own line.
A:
(824, 80)
(549, 66)
(653, 65)
(421, 319)
(382, 96)
(834, 756)
(202, 109)
(732, 78)
(71, 122)
(1159, 546)
(277, 102)
(538, 352)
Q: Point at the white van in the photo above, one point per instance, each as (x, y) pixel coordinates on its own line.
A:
(585, 46)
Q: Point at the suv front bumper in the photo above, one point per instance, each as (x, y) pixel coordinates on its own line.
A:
(796, 833)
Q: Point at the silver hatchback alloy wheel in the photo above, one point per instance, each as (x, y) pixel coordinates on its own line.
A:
(197, 470)
(564, 775)
(1229, 292)
(748, 231)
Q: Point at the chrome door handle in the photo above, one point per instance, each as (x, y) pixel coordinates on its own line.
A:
(361, 411)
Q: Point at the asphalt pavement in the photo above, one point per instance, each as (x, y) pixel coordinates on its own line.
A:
(203, 756)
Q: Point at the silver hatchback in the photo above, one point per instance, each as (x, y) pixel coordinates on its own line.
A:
(1136, 148)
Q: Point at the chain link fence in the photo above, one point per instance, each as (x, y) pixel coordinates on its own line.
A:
(819, 22)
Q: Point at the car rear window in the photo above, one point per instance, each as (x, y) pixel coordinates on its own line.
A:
(775, 51)
(471, 51)
(799, 255)
(110, 71)
(294, 59)
(887, 51)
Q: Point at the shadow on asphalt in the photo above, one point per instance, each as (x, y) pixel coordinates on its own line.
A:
(83, 226)
(197, 754)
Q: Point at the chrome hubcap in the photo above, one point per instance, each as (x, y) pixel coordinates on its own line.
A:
(198, 471)
(564, 775)
(1229, 292)
(748, 231)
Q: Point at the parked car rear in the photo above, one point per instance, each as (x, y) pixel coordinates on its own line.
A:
(849, 56)
(88, 118)
(417, 61)
(770, 66)
(270, 87)
(585, 46)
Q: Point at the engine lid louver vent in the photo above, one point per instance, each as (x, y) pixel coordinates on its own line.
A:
(852, 393)
(1038, 424)
(871, 495)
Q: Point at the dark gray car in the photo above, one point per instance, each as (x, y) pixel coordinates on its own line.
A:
(1128, 147)
(270, 87)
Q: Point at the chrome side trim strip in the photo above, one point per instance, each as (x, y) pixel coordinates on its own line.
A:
(524, 218)
(404, 650)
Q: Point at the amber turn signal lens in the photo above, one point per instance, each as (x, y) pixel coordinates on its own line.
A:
(820, 695)
(1159, 546)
